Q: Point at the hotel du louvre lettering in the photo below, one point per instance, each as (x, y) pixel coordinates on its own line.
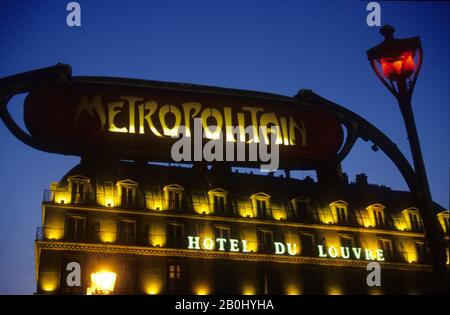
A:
(280, 248)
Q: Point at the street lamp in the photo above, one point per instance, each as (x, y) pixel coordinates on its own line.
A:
(102, 282)
(397, 64)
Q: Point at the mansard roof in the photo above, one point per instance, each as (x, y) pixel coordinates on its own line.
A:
(242, 185)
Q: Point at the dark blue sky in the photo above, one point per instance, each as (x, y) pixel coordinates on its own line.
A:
(259, 45)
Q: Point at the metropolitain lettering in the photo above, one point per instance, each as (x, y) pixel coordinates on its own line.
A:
(136, 115)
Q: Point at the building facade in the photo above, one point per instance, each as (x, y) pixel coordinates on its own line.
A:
(210, 230)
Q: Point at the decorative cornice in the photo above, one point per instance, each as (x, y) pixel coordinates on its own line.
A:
(172, 252)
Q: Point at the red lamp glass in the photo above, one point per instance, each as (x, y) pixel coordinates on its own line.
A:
(396, 62)
(401, 67)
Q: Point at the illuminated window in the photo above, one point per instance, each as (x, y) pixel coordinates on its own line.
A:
(78, 186)
(219, 204)
(340, 212)
(422, 252)
(270, 280)
(175, 283)
(265, 241)
(307, 244)
(175, 235)
(174, 196)
(128, 193)
(126, 277)
(260, 202)
(301, 208)
(412, 216)
(387, 247)
(75, 230)
(379, 217)
(222, 232)
(126, 232)
(376, 213)
(218, 200)
(347, 241)
(261, 207)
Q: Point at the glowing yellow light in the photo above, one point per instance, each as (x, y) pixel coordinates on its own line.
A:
(202, 208)
(108, 237)
(202, 290)
(157, 240)
(103, 282)
(62, 197)
(109, 202)
(292, 290)
(325, 216)
(48, 285)
(375, 291)
(153, 288)
(248, 290)
(335, 291)
(48, 281)
(279, 215)
(53, 234)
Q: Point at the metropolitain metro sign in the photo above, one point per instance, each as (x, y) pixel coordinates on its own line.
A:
(139, 120)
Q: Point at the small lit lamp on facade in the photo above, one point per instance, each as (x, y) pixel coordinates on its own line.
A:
(102, 282)
(397, 64)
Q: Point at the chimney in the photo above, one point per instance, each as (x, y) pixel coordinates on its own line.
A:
(345, 178)
(361, 180)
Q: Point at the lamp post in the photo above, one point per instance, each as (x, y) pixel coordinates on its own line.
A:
(397, 64)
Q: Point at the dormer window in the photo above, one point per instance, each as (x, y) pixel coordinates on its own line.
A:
(218, 200)
(340, 212)
(376, 213)
(301, 207)
(174, 196)
(127, 192)
(443, 218)
(78, 186)
(412, 217)
(260, 202)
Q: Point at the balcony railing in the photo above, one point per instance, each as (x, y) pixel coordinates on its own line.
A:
(148, 202)
(231, 209)
(105, 237)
